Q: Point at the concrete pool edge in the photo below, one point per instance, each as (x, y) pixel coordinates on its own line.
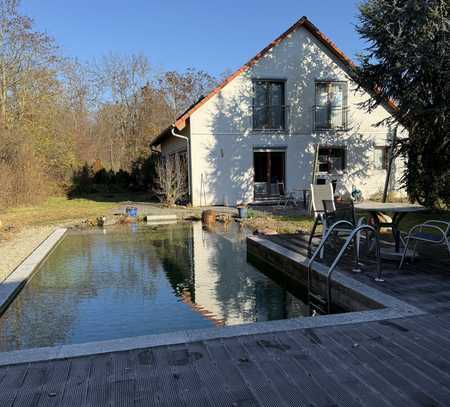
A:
(392, 309)
(293, 264)
(11, 286)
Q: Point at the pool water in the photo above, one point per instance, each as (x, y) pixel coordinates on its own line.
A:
(138, 280)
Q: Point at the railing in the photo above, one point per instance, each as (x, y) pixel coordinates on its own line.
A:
(270, 117)
(352, 236)
(266, 190)
(328, 117)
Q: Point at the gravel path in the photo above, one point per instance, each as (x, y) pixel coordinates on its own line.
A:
(14, 250)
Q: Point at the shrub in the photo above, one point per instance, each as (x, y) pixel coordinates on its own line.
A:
(171, 186)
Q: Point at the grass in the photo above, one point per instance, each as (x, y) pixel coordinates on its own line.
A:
(293, 223)
(57, 210)
(61, 209)
(54, 210)
(415, 218)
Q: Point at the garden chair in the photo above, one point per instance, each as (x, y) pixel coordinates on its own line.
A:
(285, 196)
(319, 194)
(424, 233)
(326, 214)
(335, 212)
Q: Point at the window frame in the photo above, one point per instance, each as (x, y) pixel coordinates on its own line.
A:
(385, 151)
(328, 105)
(329, 161)
(268, 105)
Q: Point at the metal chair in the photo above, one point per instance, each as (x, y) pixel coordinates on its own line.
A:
(335, 212)
(285, 196)
(319, 194)
(327, 213)
(423, 233)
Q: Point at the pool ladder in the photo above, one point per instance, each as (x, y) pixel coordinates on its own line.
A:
(316, 299)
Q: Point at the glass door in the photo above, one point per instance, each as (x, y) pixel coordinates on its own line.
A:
(269, 170)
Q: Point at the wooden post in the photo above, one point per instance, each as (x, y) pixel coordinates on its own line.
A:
(389, 168)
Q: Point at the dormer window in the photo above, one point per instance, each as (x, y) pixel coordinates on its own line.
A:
(269, 105)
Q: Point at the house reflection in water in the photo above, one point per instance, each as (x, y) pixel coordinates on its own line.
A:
(224, 288)
(131, 281)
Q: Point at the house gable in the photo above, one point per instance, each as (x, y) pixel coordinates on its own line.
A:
(223, 137)
(299, 60)
(344, 62)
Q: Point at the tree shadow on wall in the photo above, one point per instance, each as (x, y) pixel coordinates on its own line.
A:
(230, 151)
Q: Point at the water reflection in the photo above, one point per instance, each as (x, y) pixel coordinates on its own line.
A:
(136, 281)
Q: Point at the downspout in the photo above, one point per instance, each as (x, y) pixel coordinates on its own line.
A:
(188, 159)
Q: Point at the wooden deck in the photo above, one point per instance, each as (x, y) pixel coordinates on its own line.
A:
(401, 362)
(424, 283)
(397, 363)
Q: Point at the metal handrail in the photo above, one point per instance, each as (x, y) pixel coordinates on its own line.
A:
(336, 260)
(338, 257)
(321, 244)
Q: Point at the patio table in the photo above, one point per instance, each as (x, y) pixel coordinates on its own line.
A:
(398, 211)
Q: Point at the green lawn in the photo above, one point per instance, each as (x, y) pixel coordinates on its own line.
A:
(62, 209)
(54, 210)
(415, 218)
(258, 219)
(292, 223)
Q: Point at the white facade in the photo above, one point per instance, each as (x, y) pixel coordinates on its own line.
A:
(222, 139)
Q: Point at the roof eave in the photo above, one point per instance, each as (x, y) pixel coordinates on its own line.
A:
(160, 138)
(180, 123)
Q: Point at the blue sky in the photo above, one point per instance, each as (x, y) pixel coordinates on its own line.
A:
(212, 35)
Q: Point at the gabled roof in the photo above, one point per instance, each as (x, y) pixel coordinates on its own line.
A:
(180, 122)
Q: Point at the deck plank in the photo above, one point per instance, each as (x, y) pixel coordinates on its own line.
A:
(76, 387)
(424, 283)
(403, 362)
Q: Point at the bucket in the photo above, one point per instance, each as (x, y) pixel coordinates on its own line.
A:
(131, 211)
(242, 212)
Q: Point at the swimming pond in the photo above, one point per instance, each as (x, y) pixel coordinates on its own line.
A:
(131, 280)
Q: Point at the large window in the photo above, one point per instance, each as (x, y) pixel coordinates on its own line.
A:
(331, 159)
(330, 110)
(269, 105)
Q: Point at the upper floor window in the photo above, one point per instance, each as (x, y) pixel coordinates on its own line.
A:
(269, 105)
(330, 110)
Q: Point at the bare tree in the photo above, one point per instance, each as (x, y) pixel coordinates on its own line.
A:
(23, 52)
(183, 89)
(171, 179)
(57, 113)
(121, 79)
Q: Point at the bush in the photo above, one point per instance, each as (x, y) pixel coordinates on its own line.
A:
(171, 184)
(142, 173)
(22, 177)
(82, 181)
(95, 178)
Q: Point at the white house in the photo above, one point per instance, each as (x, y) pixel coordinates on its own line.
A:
(292, 105)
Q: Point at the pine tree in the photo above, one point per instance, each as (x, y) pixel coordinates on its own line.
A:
(407, 61)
